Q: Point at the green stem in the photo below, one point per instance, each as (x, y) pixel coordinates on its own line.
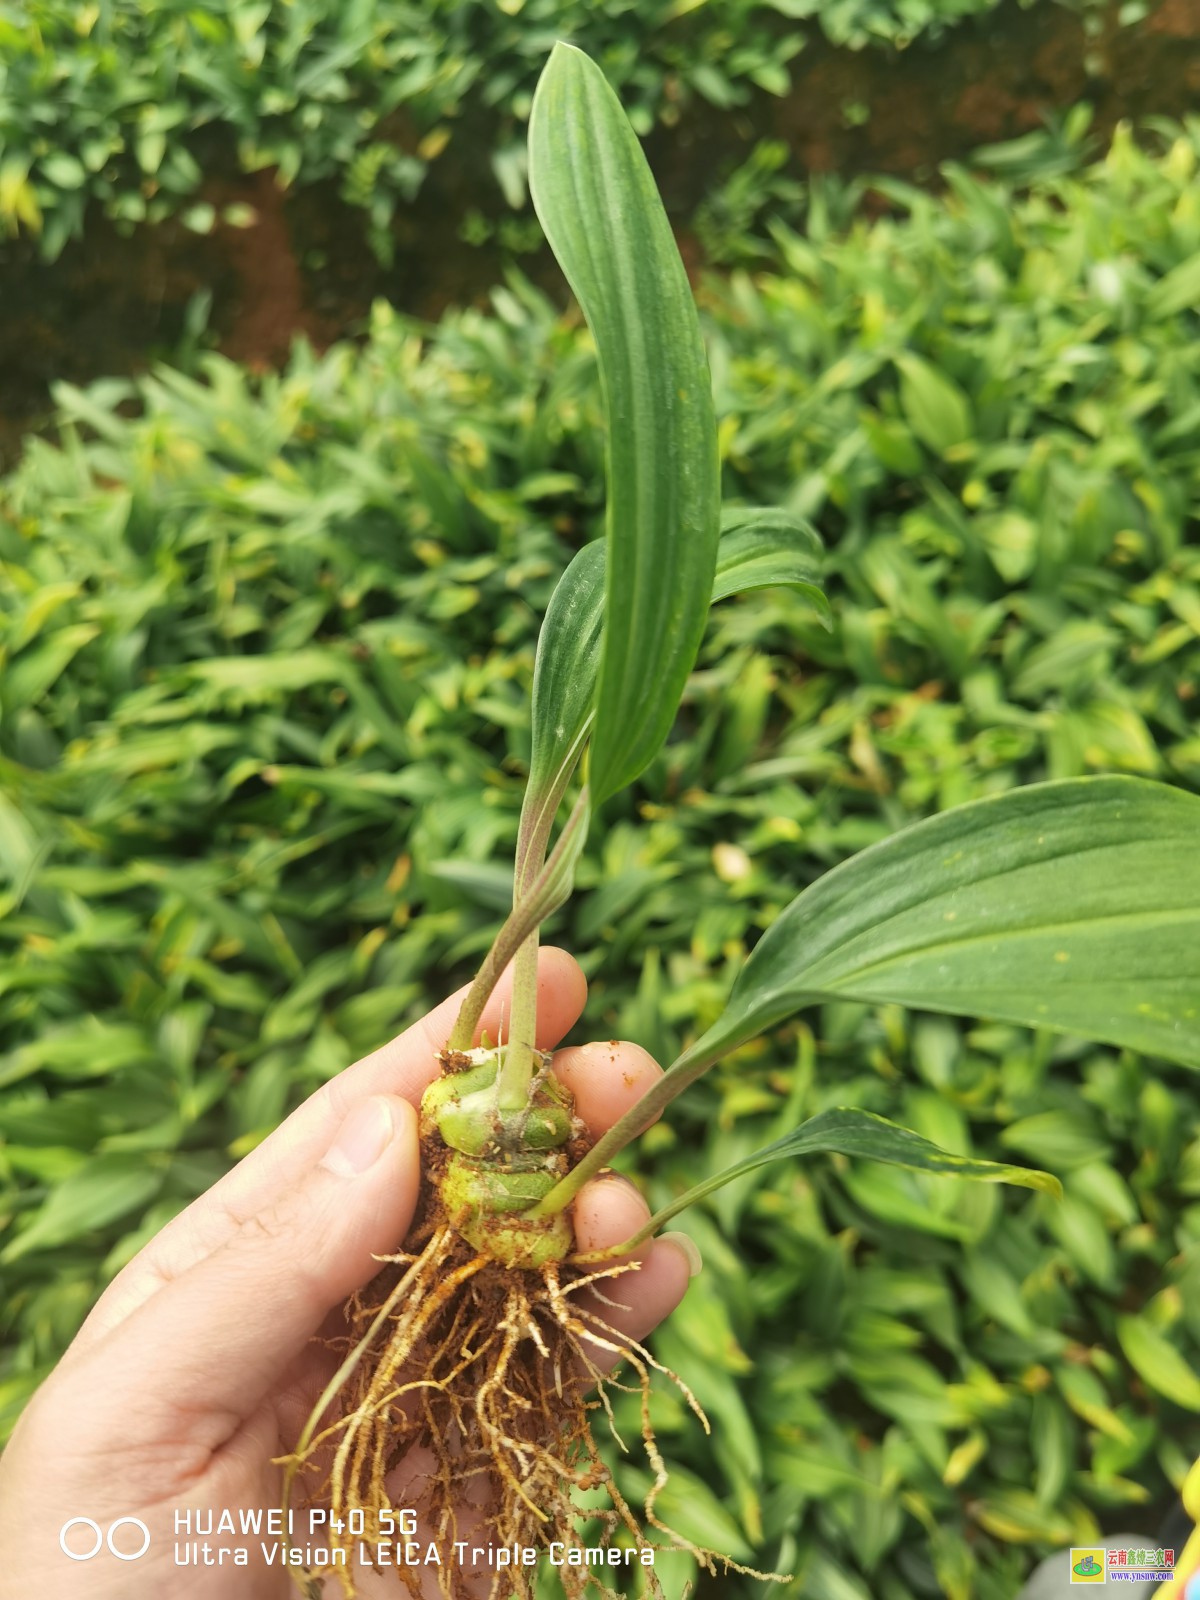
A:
(789, 1117)
(537, 822)
(516, 1069)
(673, 1082)
(613, 1252)
(548, 890)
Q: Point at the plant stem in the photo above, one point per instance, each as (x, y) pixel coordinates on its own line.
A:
(548, 890)
(516, 1063)
(516, 1068)
(673, 1082)
(538, 812)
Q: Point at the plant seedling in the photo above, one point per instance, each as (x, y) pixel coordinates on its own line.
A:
(1072, 906)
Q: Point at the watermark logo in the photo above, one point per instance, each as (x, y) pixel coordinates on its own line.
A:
(1088, 1566)
(92, 1536)
(1137, 1565)
(1129, 1565)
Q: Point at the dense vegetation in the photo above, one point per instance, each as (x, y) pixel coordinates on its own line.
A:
(131, 107)
(267, 641)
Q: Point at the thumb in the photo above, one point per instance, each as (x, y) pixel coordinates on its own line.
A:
(229, 1327)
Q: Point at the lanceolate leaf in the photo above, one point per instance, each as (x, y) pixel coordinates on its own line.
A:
(1073, 906)
(564, 674)
(597, 202)
(849, 1132)
(1158, 1362)
(757, 549)
(762, 548)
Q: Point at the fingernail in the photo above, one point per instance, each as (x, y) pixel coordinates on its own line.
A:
(687, 1248)
(620, 1181)
(361, 1140)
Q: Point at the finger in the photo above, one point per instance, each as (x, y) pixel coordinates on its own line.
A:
(227, 1329)
(606, 1080)
(608, 1211)
(403, 1066)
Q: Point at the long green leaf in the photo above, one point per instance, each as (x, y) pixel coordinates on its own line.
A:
(1158, 1362)
(847, 1131)
(596, 199)
(565, 671)
(762, 548)
(757, 549)
(108, 1187)
(1073, 906)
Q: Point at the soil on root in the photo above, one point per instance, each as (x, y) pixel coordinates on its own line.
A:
(468, 1391)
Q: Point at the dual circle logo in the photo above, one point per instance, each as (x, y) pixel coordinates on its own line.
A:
(72, 1544)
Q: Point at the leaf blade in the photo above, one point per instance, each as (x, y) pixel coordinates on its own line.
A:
(760, 549)
(757, 549)
(849, 1131)
(565, 669)
(106, 1188)
(937, 410)
(598, 205)
(1158, 1362)
(1073, 906)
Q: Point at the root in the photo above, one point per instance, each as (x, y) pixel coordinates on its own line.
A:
(488, 1374)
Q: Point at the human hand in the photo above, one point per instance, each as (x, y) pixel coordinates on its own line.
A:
(197, 1367)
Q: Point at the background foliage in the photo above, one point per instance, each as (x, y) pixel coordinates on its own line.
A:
(132, 106)
(267, 647)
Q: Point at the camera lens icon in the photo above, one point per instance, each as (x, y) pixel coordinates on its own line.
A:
(101, 1538)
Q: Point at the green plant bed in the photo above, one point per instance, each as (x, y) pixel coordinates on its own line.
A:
(131, 108)
(268, 642)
